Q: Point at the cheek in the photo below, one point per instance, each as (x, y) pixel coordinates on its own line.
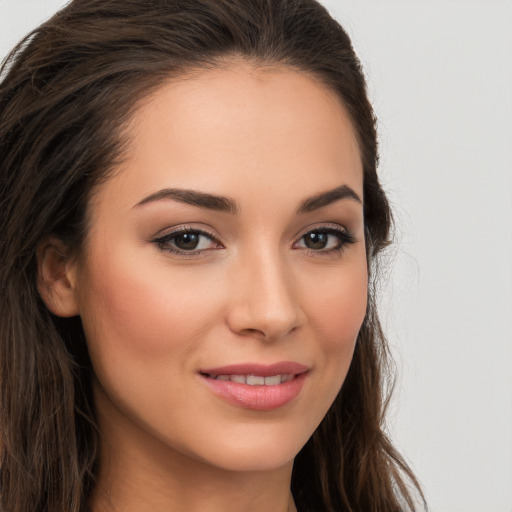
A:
(338, 308)
(143, 324)
(336, 313)
(141, 311)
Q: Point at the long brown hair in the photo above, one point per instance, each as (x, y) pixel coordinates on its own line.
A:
(66, 92)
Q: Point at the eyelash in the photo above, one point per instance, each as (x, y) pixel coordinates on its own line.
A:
(342, 234)
(164, 241)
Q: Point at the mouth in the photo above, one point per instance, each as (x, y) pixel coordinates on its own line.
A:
(254, 380)
(257, 387)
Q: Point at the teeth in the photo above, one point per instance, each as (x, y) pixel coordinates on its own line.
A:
(272, 381)
(256, 380)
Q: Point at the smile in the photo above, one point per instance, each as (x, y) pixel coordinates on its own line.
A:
(255, 380)
(257, 387)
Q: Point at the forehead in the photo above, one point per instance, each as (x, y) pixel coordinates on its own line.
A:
(240, 125)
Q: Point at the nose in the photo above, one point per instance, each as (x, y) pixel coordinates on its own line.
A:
(264, 303)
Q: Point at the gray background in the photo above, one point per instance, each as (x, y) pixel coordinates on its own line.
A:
(440, 77)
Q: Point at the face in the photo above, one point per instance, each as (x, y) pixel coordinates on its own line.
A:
(224, 278)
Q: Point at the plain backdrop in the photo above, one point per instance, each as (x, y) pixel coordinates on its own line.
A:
(440, 78)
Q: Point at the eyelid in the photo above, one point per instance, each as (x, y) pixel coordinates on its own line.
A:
(163, 240)
(319, 227)
(345, 238)
(186, 228)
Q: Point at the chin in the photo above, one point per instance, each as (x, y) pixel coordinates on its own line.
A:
(261, 449)
(249, 461)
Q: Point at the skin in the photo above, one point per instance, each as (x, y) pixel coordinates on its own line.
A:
(268, 138)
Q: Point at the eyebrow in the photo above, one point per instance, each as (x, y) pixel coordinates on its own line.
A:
(327, 198)
(193, 197)
(225, 204)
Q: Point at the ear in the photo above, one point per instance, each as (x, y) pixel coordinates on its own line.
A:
(56, 279)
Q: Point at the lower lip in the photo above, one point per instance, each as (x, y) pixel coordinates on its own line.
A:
(258, 398)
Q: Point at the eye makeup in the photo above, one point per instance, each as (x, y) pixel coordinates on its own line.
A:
(318, 241)
(325, 240)
(187, 241)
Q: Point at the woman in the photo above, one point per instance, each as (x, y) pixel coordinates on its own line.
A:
(191, 220)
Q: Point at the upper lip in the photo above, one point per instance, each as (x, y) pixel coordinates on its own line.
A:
(262, 370)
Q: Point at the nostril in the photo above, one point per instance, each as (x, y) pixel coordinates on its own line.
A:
(253, 332)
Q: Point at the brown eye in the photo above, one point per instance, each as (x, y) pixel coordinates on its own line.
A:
(316, 240)
(325, 240)
(186, 241)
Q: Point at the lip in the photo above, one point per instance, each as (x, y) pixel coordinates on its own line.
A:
(260, 370)
(258, 397)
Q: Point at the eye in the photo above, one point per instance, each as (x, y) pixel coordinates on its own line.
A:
(186, 241)
(325, 240)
